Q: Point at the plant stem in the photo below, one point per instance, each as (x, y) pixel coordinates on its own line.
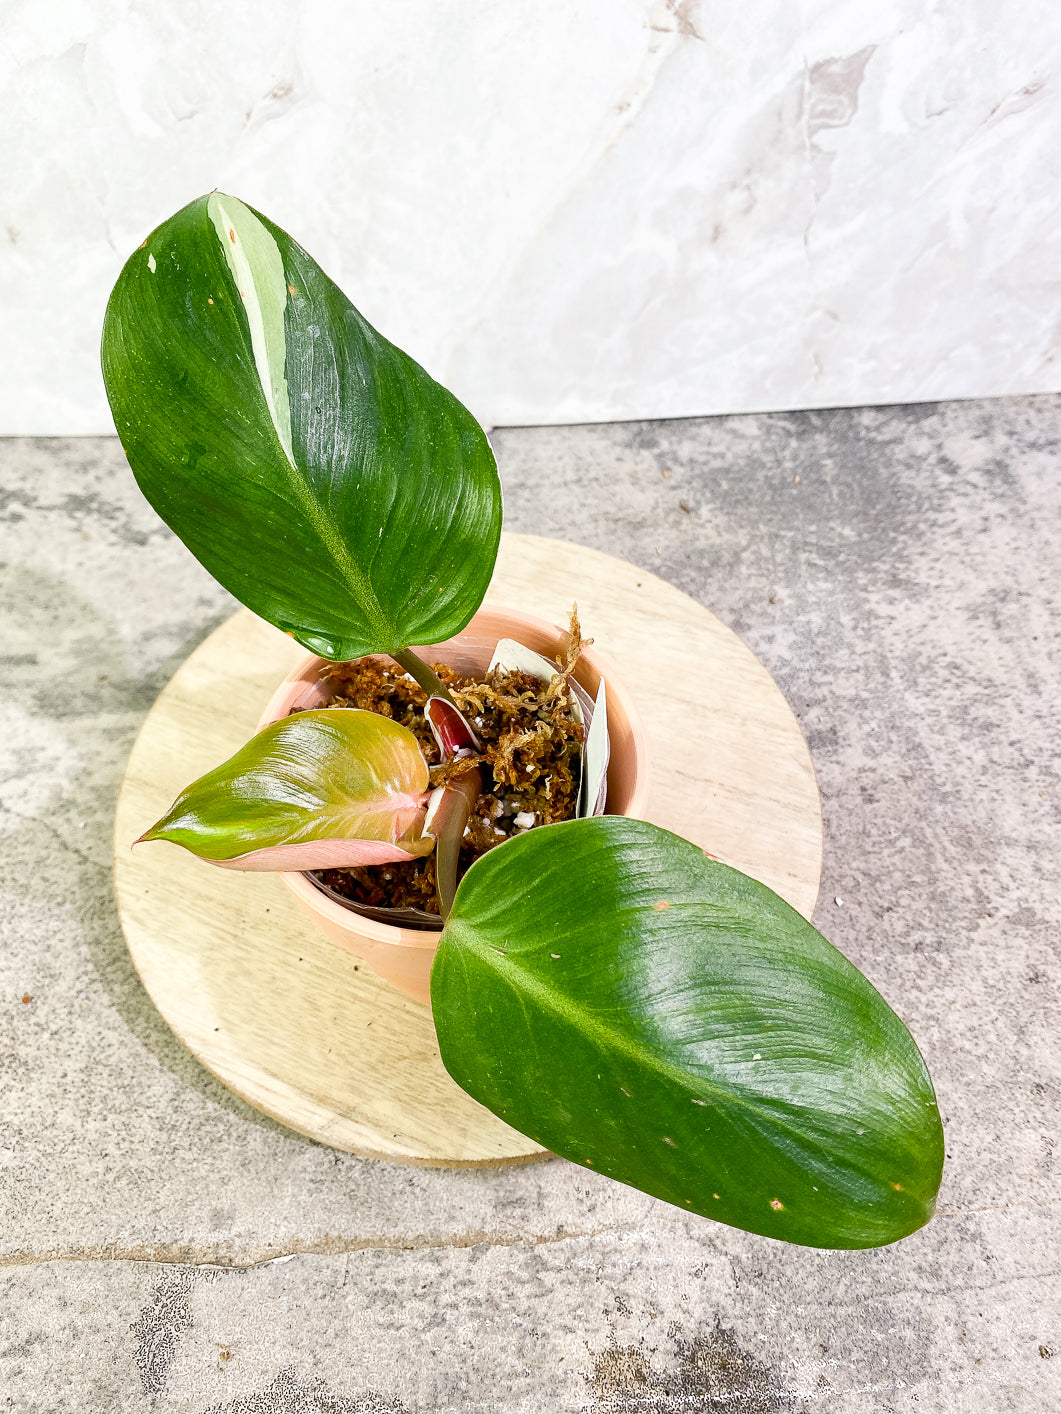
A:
(418, 670)
(458, 803)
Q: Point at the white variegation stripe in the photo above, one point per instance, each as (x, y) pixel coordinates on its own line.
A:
(258, 270)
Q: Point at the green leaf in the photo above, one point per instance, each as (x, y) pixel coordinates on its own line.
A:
(318, 790)
(627, 1003)
(316, 471)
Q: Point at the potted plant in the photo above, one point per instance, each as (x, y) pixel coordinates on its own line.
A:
(393, 941)
(599, 983)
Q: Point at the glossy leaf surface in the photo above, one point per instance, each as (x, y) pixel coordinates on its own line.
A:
(324, 789)
(316, 471)
(663, 1019)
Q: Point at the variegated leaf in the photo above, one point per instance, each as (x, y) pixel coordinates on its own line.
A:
(317, 471)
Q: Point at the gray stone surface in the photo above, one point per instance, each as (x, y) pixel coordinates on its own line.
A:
(165, 1248)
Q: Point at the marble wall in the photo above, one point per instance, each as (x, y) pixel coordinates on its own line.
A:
(576, 210)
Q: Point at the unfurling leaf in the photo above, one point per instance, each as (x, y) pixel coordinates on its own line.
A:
(326, 789)
(316, 471)
(606, 989)
(450, 728)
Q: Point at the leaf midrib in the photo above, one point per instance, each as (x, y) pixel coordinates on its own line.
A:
(337, 549)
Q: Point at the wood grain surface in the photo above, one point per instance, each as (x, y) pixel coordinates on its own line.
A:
(304, 1032)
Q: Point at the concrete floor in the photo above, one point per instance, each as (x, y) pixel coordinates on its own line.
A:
(167, 1249)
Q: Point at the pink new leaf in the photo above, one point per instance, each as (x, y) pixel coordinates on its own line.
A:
(324, 789)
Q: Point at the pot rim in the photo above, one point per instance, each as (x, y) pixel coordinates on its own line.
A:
(306, 672)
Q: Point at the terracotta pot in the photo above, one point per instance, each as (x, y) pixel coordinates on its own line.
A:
(403, 956)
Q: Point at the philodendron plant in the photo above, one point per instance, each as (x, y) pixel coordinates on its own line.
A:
(600, 984)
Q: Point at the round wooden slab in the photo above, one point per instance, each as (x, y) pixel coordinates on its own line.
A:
(301, 1030)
